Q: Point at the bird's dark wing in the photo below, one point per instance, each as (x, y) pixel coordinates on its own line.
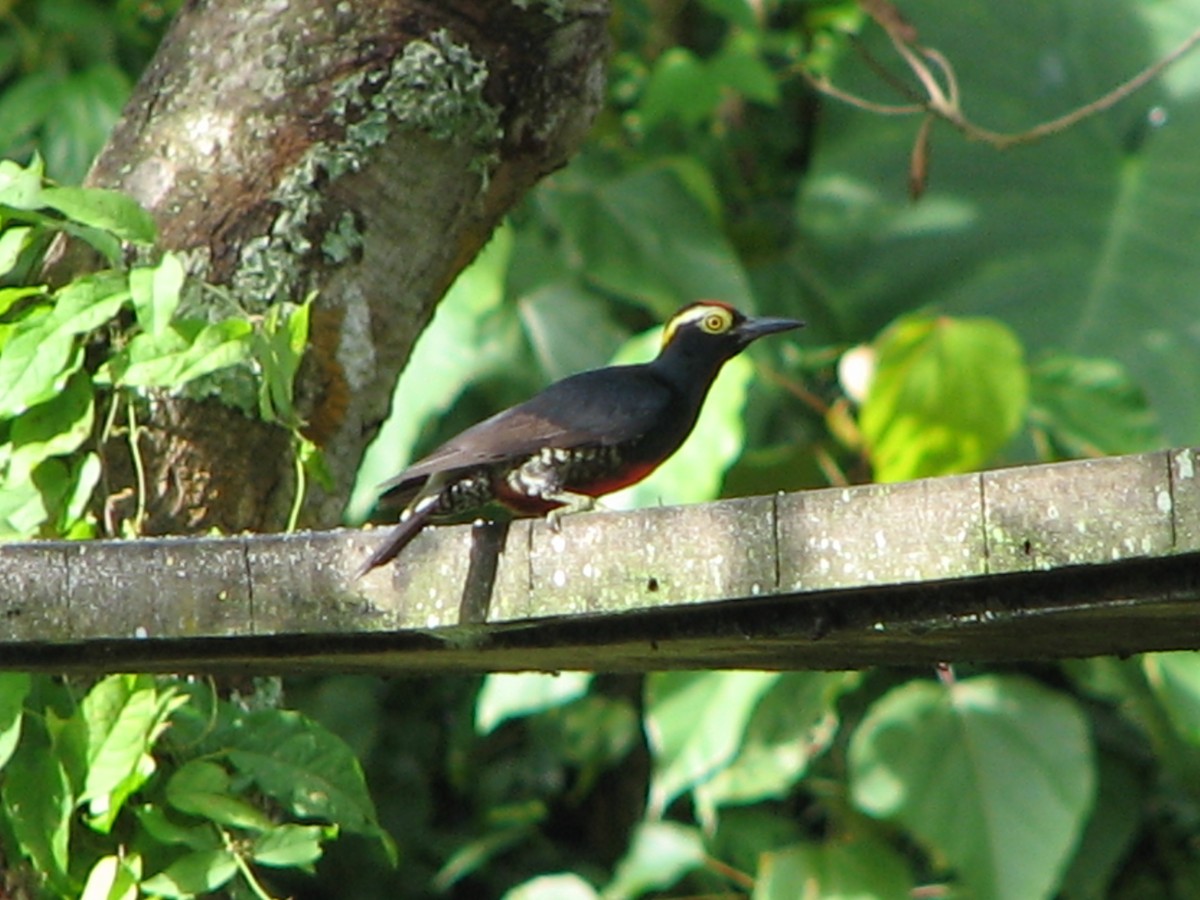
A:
(602, 407)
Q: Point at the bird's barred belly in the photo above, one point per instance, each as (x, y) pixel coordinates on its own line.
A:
(554, 470)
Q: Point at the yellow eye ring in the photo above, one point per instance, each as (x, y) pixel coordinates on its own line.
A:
(715, 323)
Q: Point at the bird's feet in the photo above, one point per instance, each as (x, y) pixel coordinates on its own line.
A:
(571, 503)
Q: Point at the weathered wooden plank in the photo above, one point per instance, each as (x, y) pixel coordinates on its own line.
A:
(1093, 511)
(1185, 495)
(882, 534)
(1035, 562)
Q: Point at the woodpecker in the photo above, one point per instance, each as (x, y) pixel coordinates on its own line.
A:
(580, 438)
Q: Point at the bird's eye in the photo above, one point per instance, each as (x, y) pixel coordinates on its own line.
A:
(714, 323)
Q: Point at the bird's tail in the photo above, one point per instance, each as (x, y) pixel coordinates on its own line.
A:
(413, 521)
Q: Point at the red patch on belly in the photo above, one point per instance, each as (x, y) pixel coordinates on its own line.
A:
(524, 505)
(623, 479)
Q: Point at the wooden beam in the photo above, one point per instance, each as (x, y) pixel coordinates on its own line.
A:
(1073, 559)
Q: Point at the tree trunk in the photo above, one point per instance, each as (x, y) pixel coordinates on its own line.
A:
(364, 150)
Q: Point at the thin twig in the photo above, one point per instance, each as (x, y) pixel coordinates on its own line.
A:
(945, 103)
(884, 109)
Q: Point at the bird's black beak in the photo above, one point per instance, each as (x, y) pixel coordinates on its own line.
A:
(754, 328)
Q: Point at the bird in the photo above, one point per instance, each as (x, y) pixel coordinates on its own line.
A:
(587, 435)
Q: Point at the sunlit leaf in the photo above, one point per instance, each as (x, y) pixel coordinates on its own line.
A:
(995, 773)
(101, 208)
(659, 854)
(947, 394)
(695, 722)
(196, 873)
(155, 293)
(506, 696)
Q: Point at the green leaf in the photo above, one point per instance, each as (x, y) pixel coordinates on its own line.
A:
(569, 331)
(112, 878)
(10, 296)
(25, 104)
(695, 723)
(591, 733)
(947, 394)
(509, 696)
(14, 688)
(837, 870)
(54, 427)
(1091, 407)
(155, 292)
(38, 804)
(84, 476)
(291, 845)
(195, 873)
(307, 769)
(21, 186)
(680, 87)
(85, 109)
(697, 469)
(105, 209)
(996, 773)
(793, 724)
(659, 855)
(278, 348)
(13, 242)
(1175, 680)
(647, 237)
(739, 65)
(22, 510)
(158, 825)
(184, 351)
(120, 718)
(203, 788)
(42, 352)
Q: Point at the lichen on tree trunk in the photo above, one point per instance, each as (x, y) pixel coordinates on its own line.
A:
(361, 150)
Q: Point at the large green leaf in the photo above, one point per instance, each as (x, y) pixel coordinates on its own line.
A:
(995, 773)
(946, 395)
(116, 725)
(694, 723)
(307, 769)
(1084, 242)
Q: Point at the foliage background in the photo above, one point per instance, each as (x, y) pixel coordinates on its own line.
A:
(1035, 304)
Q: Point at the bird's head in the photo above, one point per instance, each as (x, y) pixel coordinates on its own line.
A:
(716, 330)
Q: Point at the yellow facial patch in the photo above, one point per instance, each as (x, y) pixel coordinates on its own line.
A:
(711, 318)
